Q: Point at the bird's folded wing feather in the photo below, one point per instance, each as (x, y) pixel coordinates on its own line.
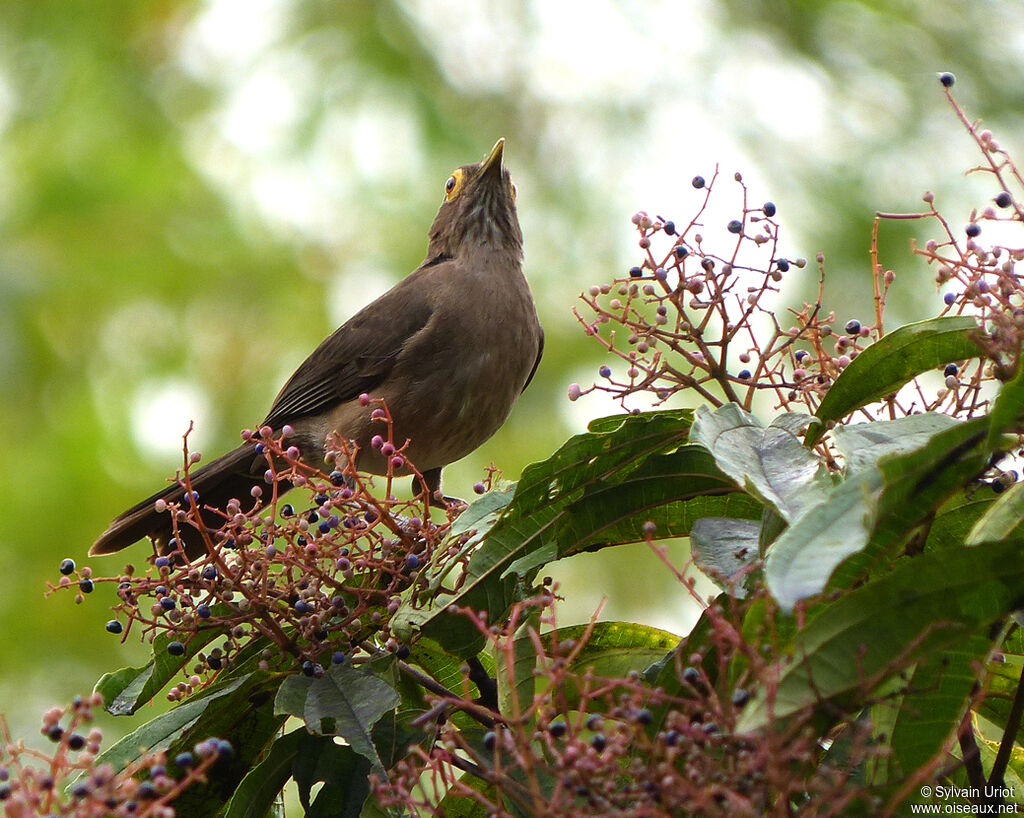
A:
(357, 357)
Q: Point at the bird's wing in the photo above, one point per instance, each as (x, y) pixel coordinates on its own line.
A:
(536, 363)
(357, 357)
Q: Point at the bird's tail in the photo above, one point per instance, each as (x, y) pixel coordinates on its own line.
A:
(231, 476)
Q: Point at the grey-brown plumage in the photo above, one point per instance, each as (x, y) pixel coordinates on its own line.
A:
(449, 348)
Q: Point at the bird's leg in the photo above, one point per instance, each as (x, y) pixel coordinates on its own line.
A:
(432, 485)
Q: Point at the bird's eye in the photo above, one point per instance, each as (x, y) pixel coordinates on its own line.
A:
(453, 185)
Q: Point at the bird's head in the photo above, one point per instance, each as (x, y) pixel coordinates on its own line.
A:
(478, 211)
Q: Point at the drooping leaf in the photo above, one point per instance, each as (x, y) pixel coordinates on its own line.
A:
(344, 774)
(930, 603)
(892, 361)
(862, 444)
(804, 556)
(767, 462)
(344, 702)
(871, 513)
(725, 549)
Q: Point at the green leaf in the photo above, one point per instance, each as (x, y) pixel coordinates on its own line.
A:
(258, 790)
(924, 709)
(872, 511)
(342, 770)
(1002, 518)
(1007, 409)
(238, 710)
(892, 361)
(725, 549)
(124, 691)
(514, 672)
(672, 491)
(344, 702)
(769, 463)
(531, 522)
(863, 444)
(804, 556)
(956, 518)
(612, 651)
(930, 603)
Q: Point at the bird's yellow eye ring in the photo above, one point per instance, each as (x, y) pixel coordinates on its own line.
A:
(453, 185)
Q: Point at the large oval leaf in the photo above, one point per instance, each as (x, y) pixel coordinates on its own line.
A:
(892, 361)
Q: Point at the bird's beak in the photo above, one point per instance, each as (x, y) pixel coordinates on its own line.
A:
(492, 164)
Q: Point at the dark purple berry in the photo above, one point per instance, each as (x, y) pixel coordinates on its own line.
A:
(85, 586)
(782, 265)
(490, 739)
(948, 299)
(669, 228)
(167, 603)
(203, 610)
(557, 728)
(800, 354)
(287, 510)
(403, 652)
(176, 648)
(76, 741)
(680, 251)
(210, 572)
(853, 327)
(635, 272)
(735, 226)
(224, 749)
(973, 230)
(302, 607)
(1004, 199)
(338, 657)
(744, 375)
(309, 668)
(184, 760)
(768, 209)
(113, 626)
(337, 478)
(605, 371)
(691, 675)
(947, 79)
(598, 742)
(412, 561)
(951, 369)
(55, 733)
(698, 182)
(67, 566)
(740, 697)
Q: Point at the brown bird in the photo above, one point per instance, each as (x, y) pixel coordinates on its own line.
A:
(449, 348)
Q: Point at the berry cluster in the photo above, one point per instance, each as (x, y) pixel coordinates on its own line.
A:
(293, 585)
(72, 782)
(688, 318)
(638, 744)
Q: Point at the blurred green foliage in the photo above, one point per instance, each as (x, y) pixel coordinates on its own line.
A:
(192, 195)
